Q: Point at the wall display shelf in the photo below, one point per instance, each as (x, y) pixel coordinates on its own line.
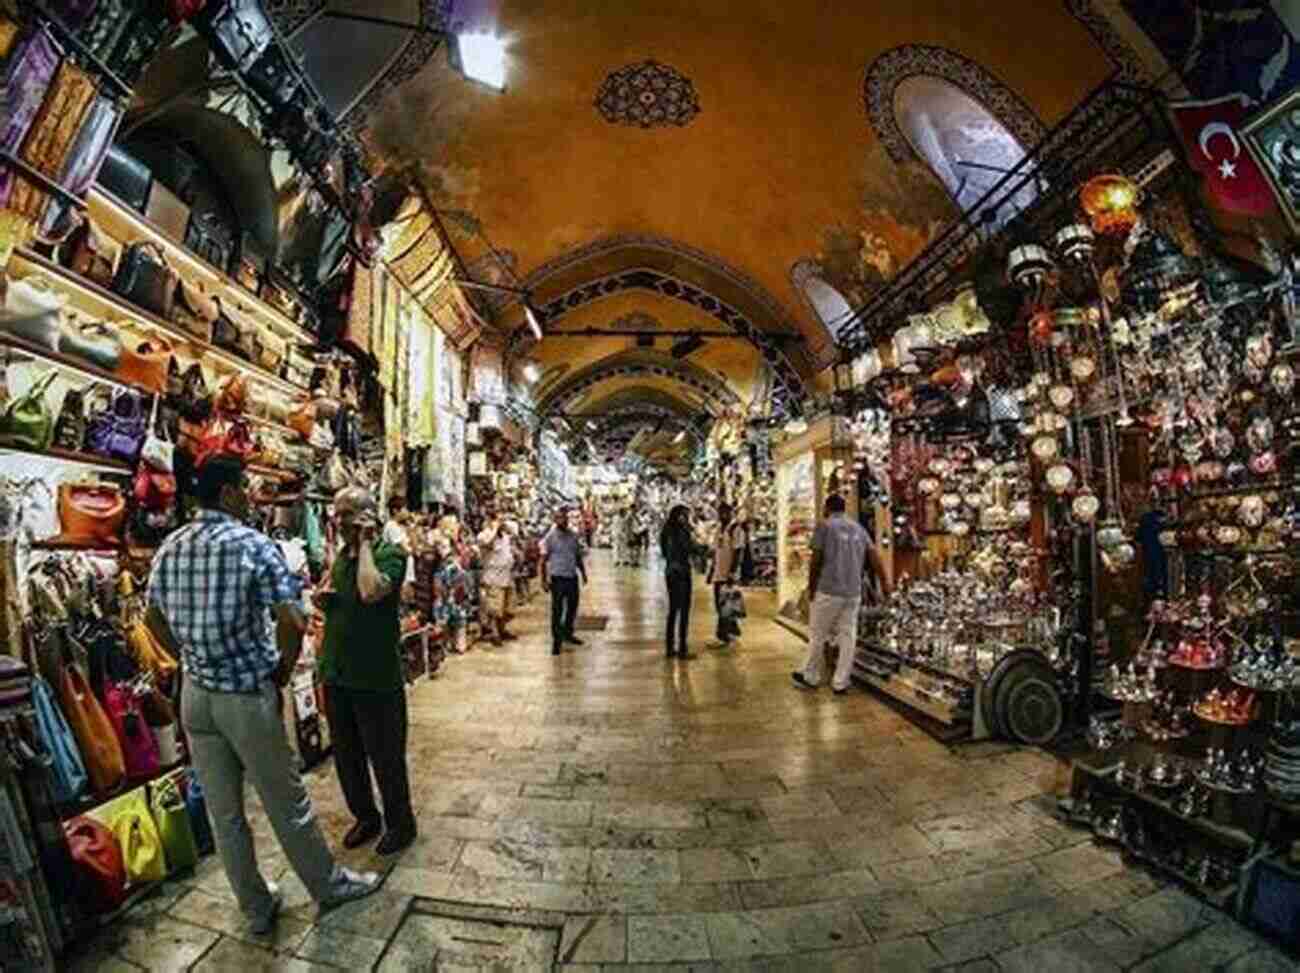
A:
(104, 305)
(126, 226)
(90, 461)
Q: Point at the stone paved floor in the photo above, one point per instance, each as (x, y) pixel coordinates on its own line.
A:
(708, 815)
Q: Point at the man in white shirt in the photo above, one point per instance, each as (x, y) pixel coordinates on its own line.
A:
(841, 548)
(729, 546)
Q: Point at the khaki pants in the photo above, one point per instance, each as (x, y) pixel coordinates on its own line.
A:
(834, 619)
(236, 734)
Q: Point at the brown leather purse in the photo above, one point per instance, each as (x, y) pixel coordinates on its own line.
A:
(144, 363)
(195, 310)
(100, 749)
(302, 418)
(90, 253)
(91, 513)
(232, 395)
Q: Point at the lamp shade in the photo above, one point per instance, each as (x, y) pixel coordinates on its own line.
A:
(1111, 203)
(1028, 264)
(917, 334)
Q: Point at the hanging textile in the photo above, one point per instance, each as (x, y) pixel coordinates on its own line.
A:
(455, 316)
(419, 395)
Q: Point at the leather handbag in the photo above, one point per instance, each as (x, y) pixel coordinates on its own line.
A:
(144, 278)
(137, 836)
(173, 821)
(92, 342)
(153, 658)
(27, 420)
(209, 237)
(195, 404)
(30, 70)
(70, 426)
(274, 78)
(125, 431)
(232, 394)
(196, 310)
(250, 342)
(139, 749)
(167, 211)
(273, 351)
(237, 31)
(302, 418)
(49, 140)
(249, 264)
(197, 808)
(153, 491)
(86, 156)
(90, 253)
(225, 333)
(91, 513)
(157, 451)
(68, 773)
(97, 862)
(225, 434)
(99, 747)
(126, 177)
(146, 363)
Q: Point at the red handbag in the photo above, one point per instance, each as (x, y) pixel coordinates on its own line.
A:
(98, 862)
(139, 748)
(179, 11)
(224, 435)
(154, 490)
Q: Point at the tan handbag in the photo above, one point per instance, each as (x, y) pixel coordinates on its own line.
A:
(145, 361)
(90, 253)
(100, 750)
(195, 310)
(273, 352)
(302, 418)
(91, 513)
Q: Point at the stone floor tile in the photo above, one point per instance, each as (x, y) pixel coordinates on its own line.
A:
(566, 813)
(913, 953)
(594, 939)
(986, 893)
(161, 944)
(1080, 864)
(1069, 952)
(713, 864)
(1121, 945)
(1211, 948)
(781, 859)
(233, 956)
(340, 948)
(880, 847)
(634, 865)
(820, 925)
(376, 916)
(663, 898)
(741, 935)
(967, 940)
(803, 889)
(667, 939)
(1166, 916)
(220, 913)
(421, 882)
(733, 812)
(911, 873)
(801, 804)
(1264, 960)
(895, 915)
(432, 851)
(648, 814)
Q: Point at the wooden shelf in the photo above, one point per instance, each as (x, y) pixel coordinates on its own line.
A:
(902, 691)
(127, 226)
(101, 303)
(91, 460)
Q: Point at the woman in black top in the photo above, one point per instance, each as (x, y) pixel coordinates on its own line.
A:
(678, 546)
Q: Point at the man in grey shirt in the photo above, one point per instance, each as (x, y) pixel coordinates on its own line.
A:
(561, 569)
(840, 549)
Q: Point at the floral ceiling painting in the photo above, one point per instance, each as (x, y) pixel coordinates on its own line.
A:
(861, 254)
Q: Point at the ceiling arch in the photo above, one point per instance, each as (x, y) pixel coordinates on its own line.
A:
(646, 364)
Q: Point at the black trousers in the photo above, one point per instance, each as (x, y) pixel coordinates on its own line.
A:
(564, 608)
(679, 608)
(368, 732)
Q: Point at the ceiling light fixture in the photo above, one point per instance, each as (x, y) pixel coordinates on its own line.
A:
(531, 372)
(482, 57)
(679, 437)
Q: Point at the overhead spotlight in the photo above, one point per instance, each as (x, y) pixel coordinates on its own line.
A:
(797, 426)
(593, 424)
(679, 437)
(482, 58)
(688, 345)
(531, 372)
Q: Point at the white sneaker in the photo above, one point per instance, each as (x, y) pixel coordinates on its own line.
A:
(264, 925)
(349, 887)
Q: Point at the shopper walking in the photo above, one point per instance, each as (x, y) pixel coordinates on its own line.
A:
(678, 546)
(214, 585)
(361, 666)
(727, 549)
(497, 546)
(562, 567)
(840, 550)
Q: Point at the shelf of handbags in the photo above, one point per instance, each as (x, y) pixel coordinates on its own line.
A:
(101, 304)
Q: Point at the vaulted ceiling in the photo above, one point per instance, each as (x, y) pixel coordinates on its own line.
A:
(713, 145)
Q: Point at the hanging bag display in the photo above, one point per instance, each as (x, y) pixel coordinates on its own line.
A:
(196, 310)
(31, 69)
(118, 432)
(144, 278)
(197, 808)
(232, 395)
(88, 252)
(145, 363)
(237, 31)
(137, 836)
(157, 451)
(54, 128)
(27, 421)
(139, 750)
(91, 513)
(100, 750)
(173, 822)
(91, 145)
(92, 342)
(97, 860)
(67, 769)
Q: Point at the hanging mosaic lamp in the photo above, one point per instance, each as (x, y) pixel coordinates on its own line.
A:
(1111, 204)
(1076, 242)
(1157, 270)
(1028, 265)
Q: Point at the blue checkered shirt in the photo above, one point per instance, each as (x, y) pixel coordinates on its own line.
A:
(215, 581)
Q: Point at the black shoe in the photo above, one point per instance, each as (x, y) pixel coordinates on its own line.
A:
(800, 682)
(670, 651)
(555, 649)
(573, 640)
(394, 841)
(361, 833)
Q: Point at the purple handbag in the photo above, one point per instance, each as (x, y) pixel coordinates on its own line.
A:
(30, 72)
(90, 145)
(118, 432)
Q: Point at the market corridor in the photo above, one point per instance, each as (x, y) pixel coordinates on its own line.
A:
(701, 813)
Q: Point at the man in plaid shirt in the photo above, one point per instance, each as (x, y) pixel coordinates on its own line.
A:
(213, 589)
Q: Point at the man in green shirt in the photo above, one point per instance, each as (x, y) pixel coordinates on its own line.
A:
(360, 663)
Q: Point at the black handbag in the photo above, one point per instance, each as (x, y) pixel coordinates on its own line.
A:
(249, 264)
(208, 236)
(126, 177)
(274, 77)
(225, 334)
(145, 280)
(237, 31)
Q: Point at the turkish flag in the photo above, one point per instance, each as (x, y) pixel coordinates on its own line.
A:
(1232, 180)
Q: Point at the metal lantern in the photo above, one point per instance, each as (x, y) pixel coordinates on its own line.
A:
(1076, 242)
(1157, 271)
(1111, 203)
(1028, 265)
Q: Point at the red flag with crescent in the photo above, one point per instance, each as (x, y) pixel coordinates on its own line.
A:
(1209, 131)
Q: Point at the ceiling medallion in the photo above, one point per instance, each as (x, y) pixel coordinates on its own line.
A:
(648, 94)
